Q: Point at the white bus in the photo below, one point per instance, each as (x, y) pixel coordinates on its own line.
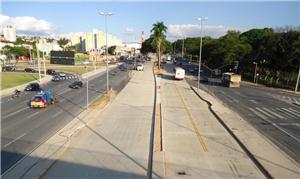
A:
(179, 73)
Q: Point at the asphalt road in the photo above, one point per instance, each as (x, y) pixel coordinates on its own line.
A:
(271, 111)
(23, 128)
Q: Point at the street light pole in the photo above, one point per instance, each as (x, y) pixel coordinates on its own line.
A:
(254, 79)
(200, 50)
(297, 84)
(105, 14)
(87, 83)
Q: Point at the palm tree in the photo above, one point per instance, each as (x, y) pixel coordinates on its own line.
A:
(158, 35)
(62, 43)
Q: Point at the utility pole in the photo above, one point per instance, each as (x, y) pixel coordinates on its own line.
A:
(254, 79)
(297, 84)
(44, 63)
(105, 14)
(39, 64)
(200, 50)
(182, 48)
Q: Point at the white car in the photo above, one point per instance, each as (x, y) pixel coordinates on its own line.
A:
(61, 74)
(140, 67)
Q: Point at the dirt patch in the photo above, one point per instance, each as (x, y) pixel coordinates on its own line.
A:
(102, 101)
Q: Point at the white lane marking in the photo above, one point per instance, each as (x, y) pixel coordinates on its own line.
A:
(292, 112)
(286, 113)
(288, 124)
(56, 114)
(267, 114)
(6, 145)
(13, 113)
(274, 113)
(253, 101)
(275, 125)
(66, 90)
(257, 113)
(32, 115)
(289, 98)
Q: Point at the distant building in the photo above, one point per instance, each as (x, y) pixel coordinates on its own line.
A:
(91, 41)
(47, 47)
(4, 42)
(9, 33)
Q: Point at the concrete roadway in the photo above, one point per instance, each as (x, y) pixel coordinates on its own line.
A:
(195, 145)
(23, 128)
(271, 111)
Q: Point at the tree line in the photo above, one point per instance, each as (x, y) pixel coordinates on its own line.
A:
(277, 53)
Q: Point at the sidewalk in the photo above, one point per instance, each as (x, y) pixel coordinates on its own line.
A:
(116, 144)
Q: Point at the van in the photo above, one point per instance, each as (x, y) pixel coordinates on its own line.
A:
(179, 73)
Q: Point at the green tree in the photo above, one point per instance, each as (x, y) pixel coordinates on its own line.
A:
(111, 50)
(158, 35)
(63, 42)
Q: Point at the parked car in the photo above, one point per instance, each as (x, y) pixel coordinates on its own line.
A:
(33, 87)
(29, 70)
(140, 67)
(76, 84)
(9, 68)
(51, 72)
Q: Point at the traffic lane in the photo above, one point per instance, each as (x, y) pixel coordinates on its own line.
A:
(40, 131)
(277, 111)
(284, 136)
(66, 96)
(10, 105)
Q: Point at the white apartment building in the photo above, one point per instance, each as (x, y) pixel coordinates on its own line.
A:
(9, 33)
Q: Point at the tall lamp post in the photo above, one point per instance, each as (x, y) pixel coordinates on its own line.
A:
(87, 83)
(105, 14)
(201, 19)
(254, 77)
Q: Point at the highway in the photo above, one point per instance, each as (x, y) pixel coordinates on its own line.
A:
(23, 128)
(271, 111)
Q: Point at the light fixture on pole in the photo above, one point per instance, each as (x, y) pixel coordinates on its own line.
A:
(105, 14)
(201, 19)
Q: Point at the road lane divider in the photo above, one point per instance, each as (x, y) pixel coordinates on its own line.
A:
(13, 113)
(191, 119)
(9, 143)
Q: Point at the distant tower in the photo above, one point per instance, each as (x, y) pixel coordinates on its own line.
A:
(142, 37)
(9, 33)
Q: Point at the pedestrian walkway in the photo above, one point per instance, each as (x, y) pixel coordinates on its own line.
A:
(116, 144)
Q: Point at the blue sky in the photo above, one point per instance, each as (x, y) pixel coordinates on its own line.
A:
(66, 17)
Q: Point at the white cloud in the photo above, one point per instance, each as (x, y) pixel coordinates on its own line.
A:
(129, 30)
(177, 31)
(27, 25)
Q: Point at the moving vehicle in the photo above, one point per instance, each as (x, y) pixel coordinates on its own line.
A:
(76, 84)
(51, 72)
(33, 87)
(231, 79)
(140, 67)
(16, 93)
(179, 73)
(42, 99)
(61, 74)
(29, 70)
(56, 78)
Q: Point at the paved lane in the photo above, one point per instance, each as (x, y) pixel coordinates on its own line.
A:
(23, 128)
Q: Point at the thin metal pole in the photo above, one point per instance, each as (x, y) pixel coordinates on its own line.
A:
(106, 51)
(200, 53)
(87, 89)
(254, 79)
(297, 84)
(39, 65)
(182, 48)
(44, 63)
